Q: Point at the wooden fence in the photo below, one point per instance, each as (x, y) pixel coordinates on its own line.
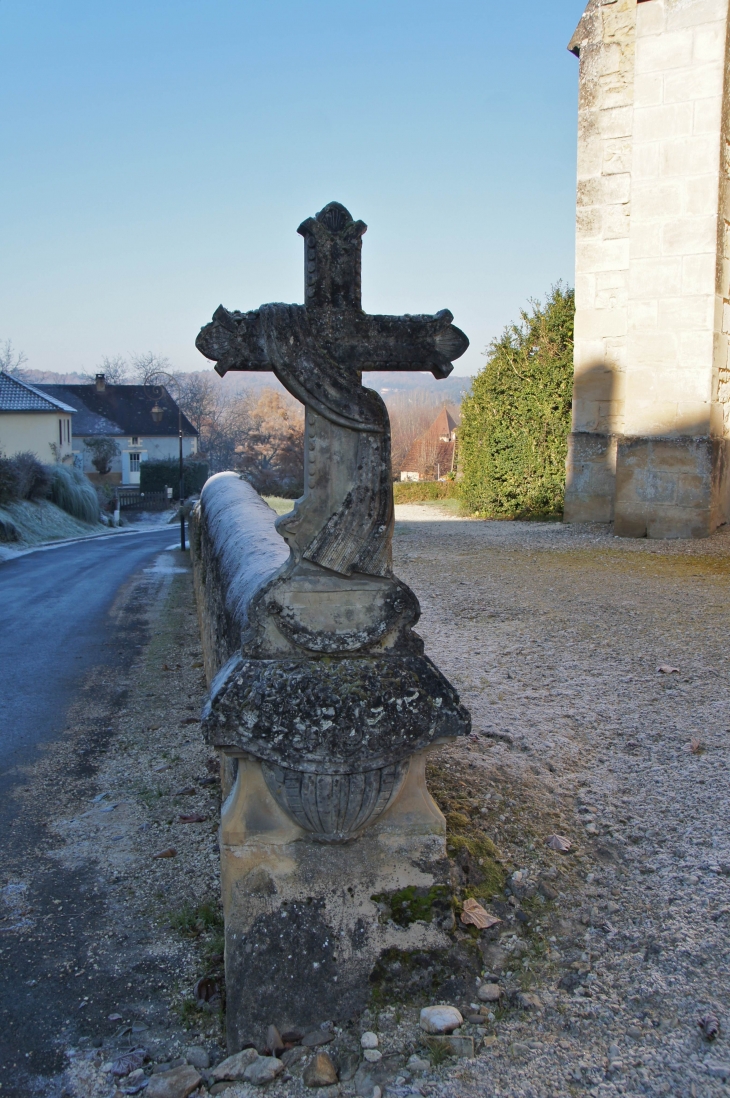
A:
(131, 499)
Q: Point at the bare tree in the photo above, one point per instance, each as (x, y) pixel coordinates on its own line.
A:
(146, 368)
(12, 361)
(116, 370)
(201, 400)
(411, 414)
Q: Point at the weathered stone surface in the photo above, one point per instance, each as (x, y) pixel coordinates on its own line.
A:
(489, 993)
(320, 1072)
(263, 1070)
(234, 1066)
(177, 1083)
(319, 1036)
(341, 716)
(440, 1019)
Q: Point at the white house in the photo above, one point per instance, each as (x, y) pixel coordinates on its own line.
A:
(32, 420)
(143, 421)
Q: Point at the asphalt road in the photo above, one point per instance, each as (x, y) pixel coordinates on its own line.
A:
(55, 627)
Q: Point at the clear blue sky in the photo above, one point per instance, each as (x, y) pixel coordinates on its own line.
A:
(158, 156)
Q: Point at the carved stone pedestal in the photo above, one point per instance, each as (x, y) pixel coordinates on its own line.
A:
(303, 932)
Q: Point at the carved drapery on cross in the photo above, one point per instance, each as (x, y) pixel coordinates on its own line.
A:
(336, 596)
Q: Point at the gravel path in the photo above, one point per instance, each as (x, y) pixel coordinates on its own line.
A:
(554, 636)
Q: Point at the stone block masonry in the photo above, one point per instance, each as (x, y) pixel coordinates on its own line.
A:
(651, 420)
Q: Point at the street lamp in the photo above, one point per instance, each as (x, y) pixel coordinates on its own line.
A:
(157, 412)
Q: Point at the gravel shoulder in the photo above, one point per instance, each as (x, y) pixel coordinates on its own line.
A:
(554, 635)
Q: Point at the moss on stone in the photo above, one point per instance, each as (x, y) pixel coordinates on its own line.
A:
(412, 904)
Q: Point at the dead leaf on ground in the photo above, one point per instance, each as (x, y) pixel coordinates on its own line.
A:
(169, 853)
(667, 669)
(559, 843)
(473, 914)
(131, 1061)
(695, 746)
(192, 818)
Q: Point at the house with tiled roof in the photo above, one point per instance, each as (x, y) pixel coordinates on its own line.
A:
(433, 455)
(142, 420)
(34, 421)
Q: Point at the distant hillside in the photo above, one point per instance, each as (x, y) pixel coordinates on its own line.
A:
(423, 386)
(51, 377)
(449, 391)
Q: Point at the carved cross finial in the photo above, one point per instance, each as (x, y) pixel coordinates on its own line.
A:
(332, 259)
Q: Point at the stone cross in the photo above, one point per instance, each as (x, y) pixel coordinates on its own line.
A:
(323, 702)
(318, 352)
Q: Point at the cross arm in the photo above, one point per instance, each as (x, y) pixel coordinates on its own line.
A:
(234, 341)
(408, 343)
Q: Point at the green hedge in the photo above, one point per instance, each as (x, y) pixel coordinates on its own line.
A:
(420, 491)
(155, 476)
(515, 423)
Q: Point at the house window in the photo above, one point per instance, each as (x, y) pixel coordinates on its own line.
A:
(60, 432)
(135, 440)
(134, 463)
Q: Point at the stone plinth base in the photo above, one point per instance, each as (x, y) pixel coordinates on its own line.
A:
(650, 487)
(670, 487)
(303, 931)
(591, 477)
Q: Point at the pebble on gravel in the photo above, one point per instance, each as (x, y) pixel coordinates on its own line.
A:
(320, 1072)
(317, 1037)
(417, 1063)
(235, 1066)
(197, 1057)
(489, 993)
(372, 1055)
(440, 1019)
(274, 1041)
(369, 1040)
(263, 1070)
(292, 1056)
(529, 1001)
(177, 1083)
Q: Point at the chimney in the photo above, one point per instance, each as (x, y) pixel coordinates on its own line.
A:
(100, 383)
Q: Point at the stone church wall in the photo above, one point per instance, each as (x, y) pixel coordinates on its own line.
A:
(648, 447)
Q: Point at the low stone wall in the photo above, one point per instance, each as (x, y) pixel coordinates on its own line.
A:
(303, 915)
(234, 549)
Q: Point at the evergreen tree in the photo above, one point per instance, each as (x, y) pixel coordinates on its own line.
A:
(515, 423)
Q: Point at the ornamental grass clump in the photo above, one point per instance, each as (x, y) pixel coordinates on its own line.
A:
(515, 424)
(73, 493)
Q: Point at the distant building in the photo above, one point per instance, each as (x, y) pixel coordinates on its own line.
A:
(433, 455)
(32, 420)
(123, 413)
